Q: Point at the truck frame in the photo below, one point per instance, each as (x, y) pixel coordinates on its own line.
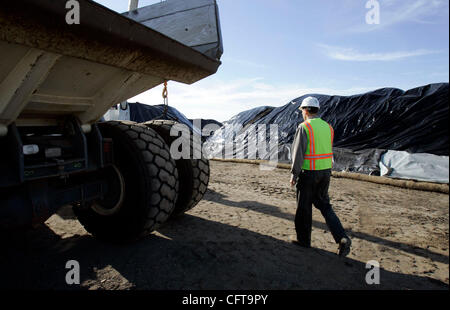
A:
(58, 80)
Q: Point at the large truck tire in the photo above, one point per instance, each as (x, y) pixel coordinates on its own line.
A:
(150, 185)
(193, 173)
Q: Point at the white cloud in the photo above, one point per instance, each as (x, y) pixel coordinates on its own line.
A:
(413, 11)
(398, 11)
(220, 100)
(351, 54)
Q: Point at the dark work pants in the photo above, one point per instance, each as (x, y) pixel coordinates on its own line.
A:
(312, 188)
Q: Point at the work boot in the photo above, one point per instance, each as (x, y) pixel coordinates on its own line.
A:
(344, 247)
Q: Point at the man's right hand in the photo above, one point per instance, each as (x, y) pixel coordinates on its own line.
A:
(293, 182)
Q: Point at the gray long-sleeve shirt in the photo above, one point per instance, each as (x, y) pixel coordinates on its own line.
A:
(298, 150)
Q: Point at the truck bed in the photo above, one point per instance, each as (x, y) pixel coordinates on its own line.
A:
(50, 69)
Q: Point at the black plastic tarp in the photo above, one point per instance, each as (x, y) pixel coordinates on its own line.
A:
(205, 122)
(415, 121)
(142, 113)
(362, 161)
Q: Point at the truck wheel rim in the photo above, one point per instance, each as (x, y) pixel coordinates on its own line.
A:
(108, 210)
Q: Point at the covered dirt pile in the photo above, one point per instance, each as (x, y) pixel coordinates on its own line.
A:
(238, 238)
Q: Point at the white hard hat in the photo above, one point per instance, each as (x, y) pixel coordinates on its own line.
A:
(311, 102)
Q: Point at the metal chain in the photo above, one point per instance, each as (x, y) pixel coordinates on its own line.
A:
(165, 95)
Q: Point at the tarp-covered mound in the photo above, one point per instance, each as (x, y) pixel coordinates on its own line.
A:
(205, 122)
(415, 121)
(140, 113)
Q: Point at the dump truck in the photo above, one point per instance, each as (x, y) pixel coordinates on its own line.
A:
(58, 77)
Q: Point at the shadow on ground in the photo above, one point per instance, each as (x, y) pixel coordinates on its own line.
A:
(275, 211)
(188, 253)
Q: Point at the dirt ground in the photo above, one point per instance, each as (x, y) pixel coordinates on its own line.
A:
(238, 238)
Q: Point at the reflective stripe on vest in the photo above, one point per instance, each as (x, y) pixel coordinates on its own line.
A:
(319, 151)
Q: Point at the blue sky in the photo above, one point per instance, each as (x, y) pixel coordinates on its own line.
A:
(277, 50)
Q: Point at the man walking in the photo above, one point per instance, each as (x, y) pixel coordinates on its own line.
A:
(312, 155)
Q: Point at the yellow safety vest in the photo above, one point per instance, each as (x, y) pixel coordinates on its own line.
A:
(319, 152)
